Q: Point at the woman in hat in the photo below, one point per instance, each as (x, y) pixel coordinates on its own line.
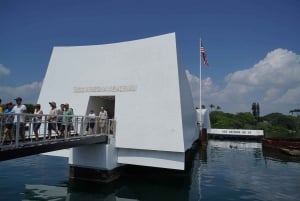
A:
(52, 119)
(37, 120)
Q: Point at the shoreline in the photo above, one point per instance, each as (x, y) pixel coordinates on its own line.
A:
(284, 145)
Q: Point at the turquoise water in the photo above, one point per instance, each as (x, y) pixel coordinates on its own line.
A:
(225, 170)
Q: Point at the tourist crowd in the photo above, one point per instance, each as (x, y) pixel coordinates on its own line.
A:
(59, 120)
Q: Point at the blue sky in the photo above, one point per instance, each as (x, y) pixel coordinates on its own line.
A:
(253, 46)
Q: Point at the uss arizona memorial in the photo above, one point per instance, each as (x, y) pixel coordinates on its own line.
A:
(143, 85)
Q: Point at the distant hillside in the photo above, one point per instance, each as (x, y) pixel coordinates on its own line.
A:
(274, 124)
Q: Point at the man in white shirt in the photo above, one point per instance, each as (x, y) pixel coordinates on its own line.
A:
(19, 109)
(91, 122)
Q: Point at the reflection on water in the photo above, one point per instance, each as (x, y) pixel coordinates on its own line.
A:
(45, 192)
(129, 188)
(225, 170)
(239, 171)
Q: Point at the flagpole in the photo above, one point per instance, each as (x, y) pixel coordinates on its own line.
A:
(200, 97)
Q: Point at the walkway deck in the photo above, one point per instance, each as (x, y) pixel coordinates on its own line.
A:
(78, 136)
(8, 152)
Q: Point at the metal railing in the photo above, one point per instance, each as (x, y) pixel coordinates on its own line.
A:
(22, 133)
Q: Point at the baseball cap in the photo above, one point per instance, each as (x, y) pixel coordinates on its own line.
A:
(8, 103)
(18, 99)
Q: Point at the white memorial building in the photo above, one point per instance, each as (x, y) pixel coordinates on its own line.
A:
(143, 85)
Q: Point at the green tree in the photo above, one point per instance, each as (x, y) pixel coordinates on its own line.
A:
(30, 108)
(246, 119)
(255, 110)
(282, 120)
(219, 119)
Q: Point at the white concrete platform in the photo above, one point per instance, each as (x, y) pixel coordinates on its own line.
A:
(235, 132)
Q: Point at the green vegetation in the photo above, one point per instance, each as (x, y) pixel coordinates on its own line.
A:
(274, 124)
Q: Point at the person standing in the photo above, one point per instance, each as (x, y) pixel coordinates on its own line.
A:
(19, 119)
(37, 120)
(52, 119)
(59, 119)
(1, 109)
(67, 119)
(1, 117)
(9, 122)
(91, 121)
(103, 118)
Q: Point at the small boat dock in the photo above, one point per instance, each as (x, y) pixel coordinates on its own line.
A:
(235, 134)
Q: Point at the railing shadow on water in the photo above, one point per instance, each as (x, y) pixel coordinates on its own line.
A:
(20, 134)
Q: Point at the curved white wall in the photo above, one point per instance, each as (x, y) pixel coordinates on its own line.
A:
(153, 104)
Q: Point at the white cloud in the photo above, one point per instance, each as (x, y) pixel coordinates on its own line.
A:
(4, 71)
(280, 68)
(28, 92)
(208, 87)
(273, 82)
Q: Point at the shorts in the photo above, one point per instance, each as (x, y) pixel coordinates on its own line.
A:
(51, 126)
(102, 123)
(9, 125)
(63, 127)
(36, 127)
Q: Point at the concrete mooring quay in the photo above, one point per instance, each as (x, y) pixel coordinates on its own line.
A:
(235, 134)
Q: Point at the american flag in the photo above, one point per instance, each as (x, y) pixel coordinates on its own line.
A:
(202, 51)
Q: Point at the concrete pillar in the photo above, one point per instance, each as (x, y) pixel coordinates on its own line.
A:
(97, 162)
(204, 136)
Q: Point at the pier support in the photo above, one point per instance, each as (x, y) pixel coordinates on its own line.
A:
(204, 136)
(96, 162)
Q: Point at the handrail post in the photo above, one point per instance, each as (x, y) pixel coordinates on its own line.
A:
(114, 128)
(45, 128)
(30, 127)
(81, 126)
(96, 124)
(17, 130)
(107, 127)
(65, 131)
(75, 124)
(1, 124)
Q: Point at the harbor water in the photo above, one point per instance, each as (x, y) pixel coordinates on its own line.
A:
(224, 170)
